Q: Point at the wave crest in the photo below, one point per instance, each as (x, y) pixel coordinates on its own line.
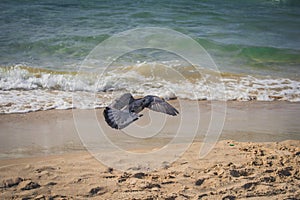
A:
(25, 89)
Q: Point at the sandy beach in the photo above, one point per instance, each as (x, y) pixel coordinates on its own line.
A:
(256, 157)
(230, 68)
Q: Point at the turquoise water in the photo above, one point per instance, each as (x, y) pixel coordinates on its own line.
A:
(259, 38)
(242, 36)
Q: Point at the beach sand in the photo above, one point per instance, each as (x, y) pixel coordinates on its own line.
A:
(257, 156)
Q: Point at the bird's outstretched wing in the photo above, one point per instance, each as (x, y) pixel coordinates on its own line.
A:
(160, 105)
(122, 101)
(119, 119)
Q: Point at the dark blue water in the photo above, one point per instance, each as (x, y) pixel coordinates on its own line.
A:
(258, 36)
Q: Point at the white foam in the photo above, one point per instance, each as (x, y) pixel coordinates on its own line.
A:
(23, 91)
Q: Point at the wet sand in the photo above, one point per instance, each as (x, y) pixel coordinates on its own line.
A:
(54, 131)
(43, 156)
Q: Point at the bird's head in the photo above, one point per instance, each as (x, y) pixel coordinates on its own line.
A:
(147, 100)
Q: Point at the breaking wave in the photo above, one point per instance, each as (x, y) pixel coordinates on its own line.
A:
(25, 89)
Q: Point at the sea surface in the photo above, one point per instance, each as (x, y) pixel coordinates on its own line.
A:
(255, 46)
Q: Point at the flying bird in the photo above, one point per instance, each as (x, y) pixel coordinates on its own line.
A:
(125, 109)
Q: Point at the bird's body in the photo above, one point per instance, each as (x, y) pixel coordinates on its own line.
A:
(124, 110)
(137, 105)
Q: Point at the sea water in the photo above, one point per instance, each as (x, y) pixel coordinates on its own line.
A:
(255, 45)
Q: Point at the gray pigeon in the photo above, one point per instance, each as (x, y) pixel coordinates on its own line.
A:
(124, 110)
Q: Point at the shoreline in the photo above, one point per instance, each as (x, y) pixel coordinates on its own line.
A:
(54, 131)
